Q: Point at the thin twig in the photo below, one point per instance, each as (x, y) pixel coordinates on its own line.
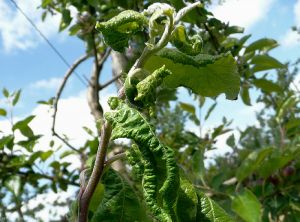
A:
(96, 173)
(65, 142)
(114, 158)
(93, 89)
(59, 92)
(111, 81)
(214, 192)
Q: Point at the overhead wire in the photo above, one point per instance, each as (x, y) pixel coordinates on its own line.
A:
(48, 42)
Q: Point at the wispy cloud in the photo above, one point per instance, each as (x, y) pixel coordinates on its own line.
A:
(245, 13)
(292, 38)
(297, 12)
(52, 83)
(16, 32)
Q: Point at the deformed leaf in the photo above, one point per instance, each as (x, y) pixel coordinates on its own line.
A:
(120, 202)
(118, 30)
(146, 88)
(247, 206)
(161, 176)
(210, 211)
(188, 45)
(188, 198)
(205, 75)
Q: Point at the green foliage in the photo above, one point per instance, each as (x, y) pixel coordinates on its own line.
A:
(252, 162)
(160, 171)
(191, 46)
(118, 30)
(160, 179)
(266, 85)
(21, 178)
(146, 89)
(204, 74)
(23, 126)
(208, 210)
(265, 62)
(188, 198)
(263, 45)
(247, 206)
(119, 203)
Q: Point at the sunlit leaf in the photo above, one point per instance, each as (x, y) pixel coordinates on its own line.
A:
(263, 45)
(265, 62)
(210, 211)
(206, 75)
(118, 30)
(247, 206)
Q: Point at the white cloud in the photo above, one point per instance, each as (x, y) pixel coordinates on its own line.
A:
(16, 32)
(297, 12)
(292, 38)
(52, 83)
(244, 13)
(73, 114)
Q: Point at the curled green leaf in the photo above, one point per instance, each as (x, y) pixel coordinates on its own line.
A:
(146, 89)
(191, 46)
(131, 82)
(118, 30)
(134, 158)
(161, 176)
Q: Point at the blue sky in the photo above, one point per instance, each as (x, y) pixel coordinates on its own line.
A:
(27, 62)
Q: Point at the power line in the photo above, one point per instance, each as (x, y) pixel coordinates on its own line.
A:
(48, 41)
